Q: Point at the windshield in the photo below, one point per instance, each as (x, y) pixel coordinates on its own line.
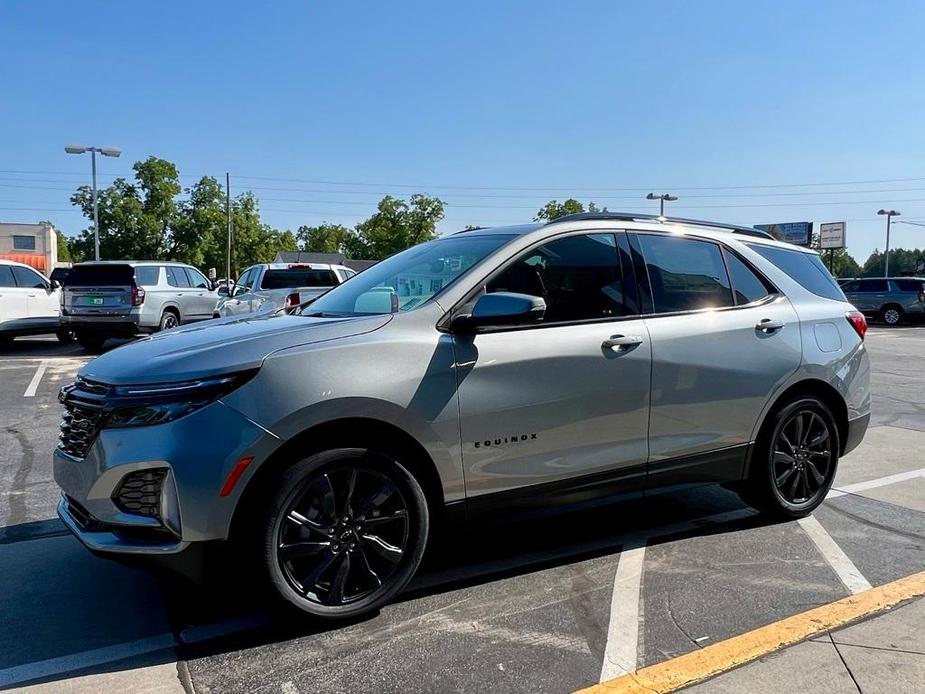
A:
(407, 279)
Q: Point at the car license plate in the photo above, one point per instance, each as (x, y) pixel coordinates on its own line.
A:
(96, 301)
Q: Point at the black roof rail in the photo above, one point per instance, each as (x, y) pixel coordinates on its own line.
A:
(631, 217)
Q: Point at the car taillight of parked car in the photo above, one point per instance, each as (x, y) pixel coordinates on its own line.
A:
(138, 295)
(858, 322)
(293, 300)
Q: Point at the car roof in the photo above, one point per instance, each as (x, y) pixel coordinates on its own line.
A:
(310, 266)
(133, 263)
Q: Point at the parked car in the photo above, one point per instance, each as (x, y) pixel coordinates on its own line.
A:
(125, 298)
(29, 304)
(505, 371)
(270, 286)
(891, 299)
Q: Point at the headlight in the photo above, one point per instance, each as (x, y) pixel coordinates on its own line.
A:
(157, 403)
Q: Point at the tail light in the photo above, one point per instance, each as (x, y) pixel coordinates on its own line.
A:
(138, 295)
(858, 322)
(293, 300)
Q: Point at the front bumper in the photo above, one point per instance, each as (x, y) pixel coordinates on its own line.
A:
(197, 452)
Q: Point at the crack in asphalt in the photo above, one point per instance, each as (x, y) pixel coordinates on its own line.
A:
(17, 497)
(843, 662)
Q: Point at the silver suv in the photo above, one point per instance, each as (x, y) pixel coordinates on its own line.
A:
(894, 300)
(498, 371)
(123, 298)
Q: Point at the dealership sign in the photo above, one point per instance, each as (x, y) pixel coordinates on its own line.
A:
(832, 235)
(800, 233)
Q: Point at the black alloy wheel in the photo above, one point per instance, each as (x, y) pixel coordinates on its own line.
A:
(169, 320)
(347, 534)
(802, 457)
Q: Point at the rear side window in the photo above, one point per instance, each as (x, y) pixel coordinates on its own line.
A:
(746, 285)
(147, 275)
(804, 268)
(685, 274)
(297, 277)
(27, 278)
(176, 277)
(101, 276)
(6, 276)
(910, 285)
(578, 277)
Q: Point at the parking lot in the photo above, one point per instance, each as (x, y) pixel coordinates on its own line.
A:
(548, 606)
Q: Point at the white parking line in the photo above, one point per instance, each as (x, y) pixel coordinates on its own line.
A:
(857, 487)
(36, 379)
(834, 556)
(622, 648)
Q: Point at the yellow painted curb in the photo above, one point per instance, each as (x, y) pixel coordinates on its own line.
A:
(719, 657)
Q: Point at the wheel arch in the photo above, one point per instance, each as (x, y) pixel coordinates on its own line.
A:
(349, 432)
(820, 389)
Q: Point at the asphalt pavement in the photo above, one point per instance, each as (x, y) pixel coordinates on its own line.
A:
(551, 606)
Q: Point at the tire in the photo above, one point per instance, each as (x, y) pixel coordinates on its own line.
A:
(6, 341)
(91, 342)
(892, 315)
(65, 337)
(361, 529)
(791, 481)
(169, 320)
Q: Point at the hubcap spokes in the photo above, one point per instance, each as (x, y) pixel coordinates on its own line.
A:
(802, 457)
(343, 536)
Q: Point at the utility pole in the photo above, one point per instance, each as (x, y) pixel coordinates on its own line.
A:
(889, 215)
(228, 215)
(106, 152)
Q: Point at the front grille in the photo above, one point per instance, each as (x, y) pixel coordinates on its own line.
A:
(80, 423)
(140, 492)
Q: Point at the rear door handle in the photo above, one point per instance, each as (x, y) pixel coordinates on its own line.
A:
(620, 343)
(766, 325)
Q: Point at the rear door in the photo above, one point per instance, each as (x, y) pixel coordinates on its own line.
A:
(41, 301)
(12, 297)
(181, 292)
(723, 340)
(103, 289)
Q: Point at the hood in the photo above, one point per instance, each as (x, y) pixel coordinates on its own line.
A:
(219, 346)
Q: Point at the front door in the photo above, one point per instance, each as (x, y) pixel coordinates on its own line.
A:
(561, 406)
(722, 343)
(12, 296)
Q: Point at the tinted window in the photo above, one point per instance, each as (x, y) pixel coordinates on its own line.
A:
(297, 277)
(874, 286)
(147, 276)
(746, 285)
(909, 285)
(197, 279)
(244, 281)
(101, 275)
(578, 276)
(176, 277)
(854, 286)
(24, 243)
(6, 276)
(804, 268)
(27, 278)
(685, 274)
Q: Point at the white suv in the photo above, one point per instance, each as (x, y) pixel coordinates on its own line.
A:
(29, 303)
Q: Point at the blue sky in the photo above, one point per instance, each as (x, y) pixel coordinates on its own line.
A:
(493, 106)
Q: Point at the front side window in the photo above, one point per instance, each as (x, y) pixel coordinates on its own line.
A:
(406, 280)
(23, 243)
(176, 277)
(197, 279)
(6, 276)
(874, 286)
(806, 269)
(746, 285)
(685, 274)
(244, 281)
(577, 276)
(28, 278)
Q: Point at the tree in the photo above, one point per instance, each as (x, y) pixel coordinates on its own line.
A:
(555, 209)
(902, 262)
(325, 238)
(397, 225)
(200, 231)
(840, 263)
(252, 240)
(64, 248)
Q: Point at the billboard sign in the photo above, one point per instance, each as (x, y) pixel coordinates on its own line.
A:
(799, 233)
(832, 235)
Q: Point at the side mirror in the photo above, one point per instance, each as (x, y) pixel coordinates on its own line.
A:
(500, 308)
(53, 284)
(223, 290)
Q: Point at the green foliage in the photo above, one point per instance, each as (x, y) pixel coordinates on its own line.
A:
(902, 262)
(555, 209)
(325, 238)
(397, 225)
(64, 248)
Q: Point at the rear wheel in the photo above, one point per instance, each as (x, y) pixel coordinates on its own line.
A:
(892, 315)
(344, 533)
(91, 342)
(795, 460)
(169, 320)
(65, 337)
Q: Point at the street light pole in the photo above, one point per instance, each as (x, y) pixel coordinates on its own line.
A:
(106, 152)
(889, 215)
(661, 197)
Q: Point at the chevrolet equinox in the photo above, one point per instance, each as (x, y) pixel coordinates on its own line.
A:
(494, 371)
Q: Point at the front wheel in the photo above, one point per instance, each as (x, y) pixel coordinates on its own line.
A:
(795, 460)
(344, 533)
(91, 342)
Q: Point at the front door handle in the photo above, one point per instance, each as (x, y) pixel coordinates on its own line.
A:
(766, 325)
(619, 343)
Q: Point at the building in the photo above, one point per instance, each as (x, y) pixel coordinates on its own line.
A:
(32, 244)
(332, 258)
